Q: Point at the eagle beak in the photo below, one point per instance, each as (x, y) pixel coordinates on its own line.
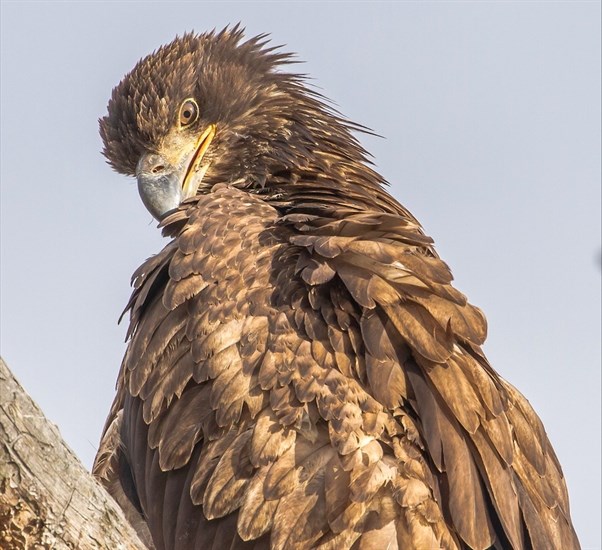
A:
(161, 185)
(158, 184)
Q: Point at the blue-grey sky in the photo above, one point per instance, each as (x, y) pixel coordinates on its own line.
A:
(491, 117)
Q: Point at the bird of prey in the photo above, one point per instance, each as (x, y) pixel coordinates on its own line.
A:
(300, 371)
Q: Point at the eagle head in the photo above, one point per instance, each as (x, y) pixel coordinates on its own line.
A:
(212, 108)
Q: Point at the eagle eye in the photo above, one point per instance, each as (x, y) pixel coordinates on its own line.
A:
(189, 113)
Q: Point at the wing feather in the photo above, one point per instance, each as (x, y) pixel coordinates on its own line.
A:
(306, 376)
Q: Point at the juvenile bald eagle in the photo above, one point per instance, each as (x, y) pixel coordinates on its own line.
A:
(300, 371)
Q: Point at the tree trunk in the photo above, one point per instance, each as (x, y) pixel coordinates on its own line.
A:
(47, 498)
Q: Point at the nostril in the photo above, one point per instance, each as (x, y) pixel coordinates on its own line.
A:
(157, 169)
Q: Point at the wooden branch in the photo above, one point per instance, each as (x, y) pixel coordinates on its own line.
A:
(47, 498)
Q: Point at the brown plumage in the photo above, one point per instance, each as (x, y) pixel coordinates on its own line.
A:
(300, 372)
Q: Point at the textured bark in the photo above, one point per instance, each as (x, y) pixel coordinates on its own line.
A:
(47, 498)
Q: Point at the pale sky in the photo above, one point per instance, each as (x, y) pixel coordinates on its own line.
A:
(490, 113)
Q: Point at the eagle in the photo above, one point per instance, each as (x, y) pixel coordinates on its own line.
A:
(300, 372)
